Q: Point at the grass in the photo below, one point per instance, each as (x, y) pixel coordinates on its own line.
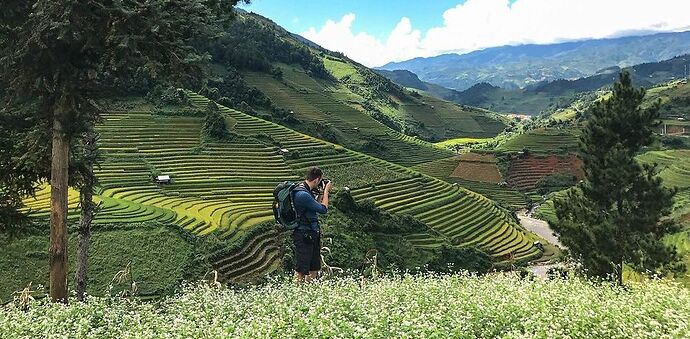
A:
(497, 305)
(331, 109)
(160, 258)
(461, 141)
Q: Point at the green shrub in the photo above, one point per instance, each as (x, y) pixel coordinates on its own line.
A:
(214, 123)
(450, 259)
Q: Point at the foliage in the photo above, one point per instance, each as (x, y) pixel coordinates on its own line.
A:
(214, 123)
(160, 256)
(359, 174)
(452, 259)
(268, 44)
(555, 182)
(420, 306)
(613, 218)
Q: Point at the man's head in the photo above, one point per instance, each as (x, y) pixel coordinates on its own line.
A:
(313, 177)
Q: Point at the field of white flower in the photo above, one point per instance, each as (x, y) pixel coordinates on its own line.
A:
(402, 306)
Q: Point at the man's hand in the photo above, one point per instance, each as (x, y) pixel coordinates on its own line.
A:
(328, 187)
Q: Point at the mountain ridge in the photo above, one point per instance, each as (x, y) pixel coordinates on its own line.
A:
(521, 65)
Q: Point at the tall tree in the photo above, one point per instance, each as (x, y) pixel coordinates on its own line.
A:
(615, 216)
(59, 55)
(88, 207)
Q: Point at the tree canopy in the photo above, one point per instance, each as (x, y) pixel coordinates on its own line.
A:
(615, 216)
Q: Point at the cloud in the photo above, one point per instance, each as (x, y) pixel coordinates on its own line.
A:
(477, 24)
(402, 41)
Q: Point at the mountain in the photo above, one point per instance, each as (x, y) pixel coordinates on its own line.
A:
(264, 70)
(410, 80)
(524, 65)
(550, 95)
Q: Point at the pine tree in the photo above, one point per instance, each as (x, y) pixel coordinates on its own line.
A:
(616, 215)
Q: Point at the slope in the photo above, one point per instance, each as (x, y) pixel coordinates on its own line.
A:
(266, 71)
(225, 188)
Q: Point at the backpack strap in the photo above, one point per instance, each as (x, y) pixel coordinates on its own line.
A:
(300, 186)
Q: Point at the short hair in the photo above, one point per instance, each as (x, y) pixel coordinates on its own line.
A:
(313, 173)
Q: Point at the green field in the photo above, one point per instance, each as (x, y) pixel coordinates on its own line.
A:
(505, 196)
(492, 306)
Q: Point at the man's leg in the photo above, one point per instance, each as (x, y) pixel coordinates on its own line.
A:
(315, 262)
(299, 277)
(302, 257)
(312, 275)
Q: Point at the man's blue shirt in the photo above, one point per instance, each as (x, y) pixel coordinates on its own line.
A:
(307, 207)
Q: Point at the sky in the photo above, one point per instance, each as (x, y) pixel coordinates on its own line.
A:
(377, 32)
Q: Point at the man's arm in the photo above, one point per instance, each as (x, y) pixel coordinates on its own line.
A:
(310, 204)
(324, 197)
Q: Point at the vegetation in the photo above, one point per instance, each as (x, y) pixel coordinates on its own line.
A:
(222, 188)
(397, 306)
(613, 217)
(159, 257)
(60, 65)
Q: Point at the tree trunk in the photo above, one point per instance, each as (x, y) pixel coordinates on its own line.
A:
(58, 211)
(87, 212)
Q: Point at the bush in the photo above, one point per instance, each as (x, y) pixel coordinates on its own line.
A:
(214, 123)
(450, 259)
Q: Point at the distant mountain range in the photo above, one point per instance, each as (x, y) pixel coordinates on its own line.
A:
(525, 65)
(545, 95)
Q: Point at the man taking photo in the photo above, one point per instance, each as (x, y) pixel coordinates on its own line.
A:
(307, 235)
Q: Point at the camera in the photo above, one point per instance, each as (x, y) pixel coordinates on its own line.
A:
(322, 185)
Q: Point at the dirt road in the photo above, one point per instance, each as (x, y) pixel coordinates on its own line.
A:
(539, 227)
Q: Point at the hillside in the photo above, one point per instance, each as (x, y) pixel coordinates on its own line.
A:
(524, 65)
(324, 94)
(223, 189)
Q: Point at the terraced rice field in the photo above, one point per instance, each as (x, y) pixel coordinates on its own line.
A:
(444, 169)
(674, 166)
(477, 167)
(542, 141)
(441, 168)
(225, 188)
(314, 102)
(525, 172)
(506, 196)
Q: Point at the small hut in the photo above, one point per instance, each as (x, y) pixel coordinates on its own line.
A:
(163, 179)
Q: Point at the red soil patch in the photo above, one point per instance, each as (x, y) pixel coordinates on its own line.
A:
(477, 167)
(526, 172)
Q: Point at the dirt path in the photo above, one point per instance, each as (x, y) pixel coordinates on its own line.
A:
(542, 229)
(539, 227)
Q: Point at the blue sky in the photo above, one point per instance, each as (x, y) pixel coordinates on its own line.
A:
(375, 17)
(376, 32)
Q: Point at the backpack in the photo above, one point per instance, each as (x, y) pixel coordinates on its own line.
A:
(284, 210)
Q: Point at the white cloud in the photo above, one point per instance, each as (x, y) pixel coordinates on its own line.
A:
(478, 24)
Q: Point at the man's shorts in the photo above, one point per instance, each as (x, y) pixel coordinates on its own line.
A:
(307, 251)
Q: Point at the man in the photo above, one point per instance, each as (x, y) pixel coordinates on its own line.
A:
(307, 235)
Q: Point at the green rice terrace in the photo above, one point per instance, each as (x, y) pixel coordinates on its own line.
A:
(337, 112)
(545, 140)
(225, 188)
